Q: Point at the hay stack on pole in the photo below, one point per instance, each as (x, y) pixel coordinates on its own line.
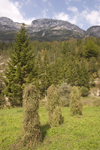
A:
(31, 134)
(53, 107)
(75, 102)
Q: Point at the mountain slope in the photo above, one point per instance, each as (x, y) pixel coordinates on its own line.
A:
(45, 30)
(50, 30)
(93, 31)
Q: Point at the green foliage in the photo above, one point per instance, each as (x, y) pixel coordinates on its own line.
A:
(75, 62)
(92, 65)
(83, 75)
(64, 92)
(31, 134)
(57, 72)
(65, 48)
(84, 91)
(91, 49)
(75, 102)
(53, 106)
(20, 70)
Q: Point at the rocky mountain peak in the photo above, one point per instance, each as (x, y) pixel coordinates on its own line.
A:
(8, 24)
(45, 23)
(45, 30)
(93, 31)
(5, 21)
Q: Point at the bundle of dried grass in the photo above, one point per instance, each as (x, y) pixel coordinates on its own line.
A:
(53, 106)
(75, 102)
(31, 134)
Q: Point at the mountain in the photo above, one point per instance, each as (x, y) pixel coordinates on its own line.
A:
(54, 29)
(93, 31)
(45, 30)
(7, 24)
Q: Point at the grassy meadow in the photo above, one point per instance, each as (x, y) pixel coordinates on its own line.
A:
(76, 133)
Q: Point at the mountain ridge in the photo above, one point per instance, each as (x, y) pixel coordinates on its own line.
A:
(46, 29)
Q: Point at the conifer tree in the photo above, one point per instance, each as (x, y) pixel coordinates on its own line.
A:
(83, 75)
(91, 49)
(20, 69)
(44, 72)
(75, 102)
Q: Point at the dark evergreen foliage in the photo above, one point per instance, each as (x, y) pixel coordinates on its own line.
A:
(91, 49)
(84, 91)
(20, 69)
(75, 62)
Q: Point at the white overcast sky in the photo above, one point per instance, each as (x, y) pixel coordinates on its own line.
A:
(84, 13)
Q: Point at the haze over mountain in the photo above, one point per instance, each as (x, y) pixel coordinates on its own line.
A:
(45, 29)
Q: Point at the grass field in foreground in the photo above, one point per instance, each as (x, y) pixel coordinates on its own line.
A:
(76, 133)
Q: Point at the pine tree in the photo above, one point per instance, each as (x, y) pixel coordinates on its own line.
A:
(44, 73)
(83, 75)
(91, 49)
(57, 72)
(20, 69)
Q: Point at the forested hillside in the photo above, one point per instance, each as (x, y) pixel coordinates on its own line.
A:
(76, 62)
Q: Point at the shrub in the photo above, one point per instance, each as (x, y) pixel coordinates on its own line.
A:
(96, 102)
(53, 106)
(75, 102)
(31, 134)
(64, 93)
(84, 91)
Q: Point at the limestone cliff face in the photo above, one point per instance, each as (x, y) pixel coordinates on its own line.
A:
(41, 24)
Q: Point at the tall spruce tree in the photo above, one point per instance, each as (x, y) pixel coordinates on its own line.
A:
(20, 69)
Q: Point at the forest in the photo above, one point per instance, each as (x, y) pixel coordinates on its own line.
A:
(75, 62)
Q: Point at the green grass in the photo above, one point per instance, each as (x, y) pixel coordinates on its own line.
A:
(76, 133)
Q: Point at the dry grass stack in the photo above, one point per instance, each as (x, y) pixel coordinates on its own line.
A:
(31, 134)
(75, 102)
(64, 92)
(53, 106)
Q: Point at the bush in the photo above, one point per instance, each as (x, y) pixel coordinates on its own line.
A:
(84, 91)
(31, 134)
(53, 106)
(96, 102)
(75, 102)
(64, 93)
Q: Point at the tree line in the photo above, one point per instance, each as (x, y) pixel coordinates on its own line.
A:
(75, 62)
